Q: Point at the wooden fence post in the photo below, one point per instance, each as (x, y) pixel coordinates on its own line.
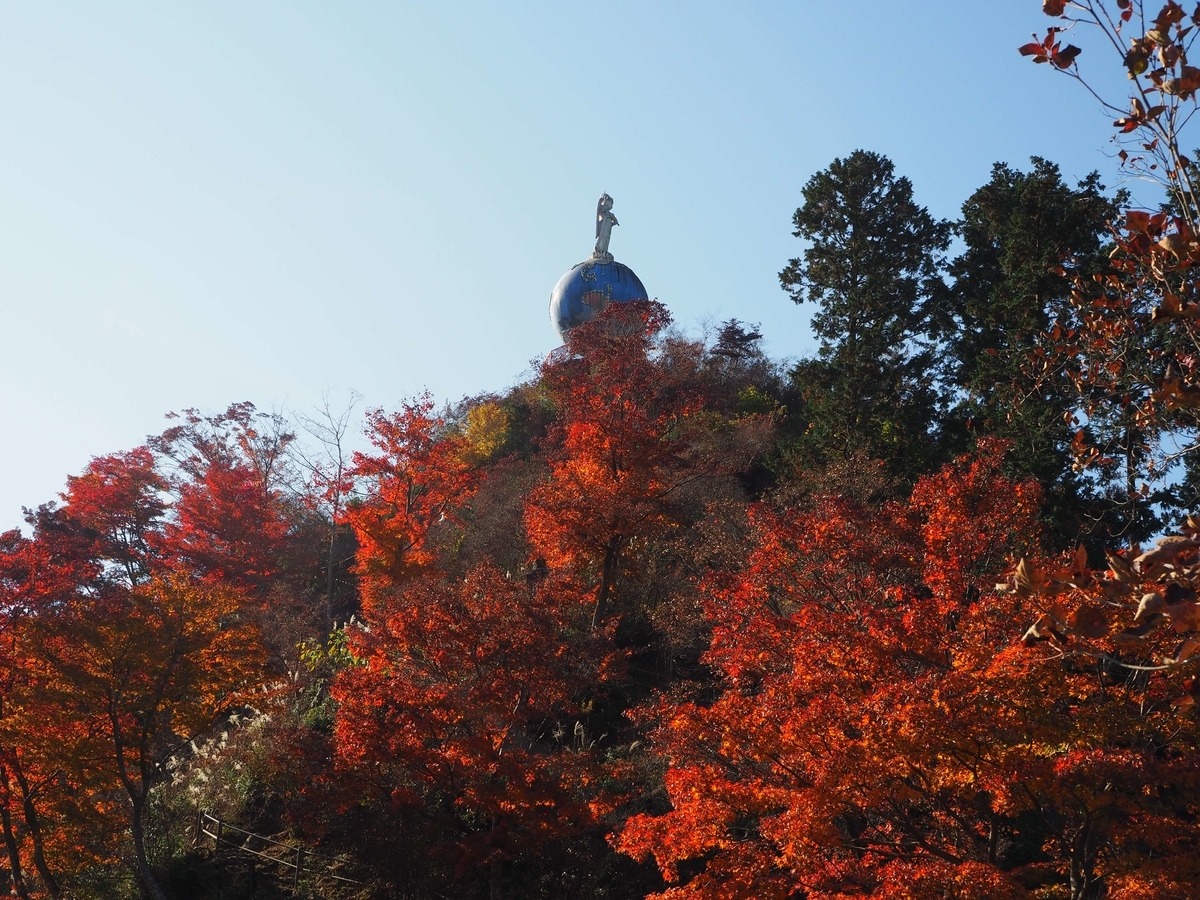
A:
(299, 865)
(217, 839)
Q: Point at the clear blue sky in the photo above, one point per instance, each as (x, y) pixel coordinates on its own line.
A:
(204, 203)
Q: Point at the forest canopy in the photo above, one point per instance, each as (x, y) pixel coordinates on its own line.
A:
(916, 617)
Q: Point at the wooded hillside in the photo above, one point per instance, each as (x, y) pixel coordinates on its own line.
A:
(916, 617)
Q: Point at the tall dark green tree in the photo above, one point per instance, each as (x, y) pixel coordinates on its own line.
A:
(1019, 231)
(872, 267)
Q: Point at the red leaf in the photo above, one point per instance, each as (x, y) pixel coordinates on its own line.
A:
(1137, 220)
(1189, 81)
(1089, 622)
(1064, 58)
(1170, 14)
(1054, 7)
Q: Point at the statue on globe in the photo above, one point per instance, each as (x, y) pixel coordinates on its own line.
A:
(605, 221)
(588, 287)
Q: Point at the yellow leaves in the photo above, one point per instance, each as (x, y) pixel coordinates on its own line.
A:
(486, 433)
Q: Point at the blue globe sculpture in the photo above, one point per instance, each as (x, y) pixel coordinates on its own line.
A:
(588, 288)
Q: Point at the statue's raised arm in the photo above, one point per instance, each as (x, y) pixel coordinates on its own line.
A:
(605, 221)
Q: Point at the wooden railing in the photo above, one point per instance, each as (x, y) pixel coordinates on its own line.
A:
(291, 856)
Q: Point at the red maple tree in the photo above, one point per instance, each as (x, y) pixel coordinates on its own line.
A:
(631, 431)
(466, 710)
(417, 479)
(881, 734)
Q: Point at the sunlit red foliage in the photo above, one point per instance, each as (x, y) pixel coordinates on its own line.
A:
(417, 479)
(226, 526)
(466, 710)
(624, 441)
(30, 581)
(880, 735)
(227, 521)
(142, 671)
(116, 506)
(114, 655)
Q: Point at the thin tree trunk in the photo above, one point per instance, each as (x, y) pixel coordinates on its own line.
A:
(1130, 479)
(329, 577)
(1084, 884)
(10, 839)
(145, 875)
(608, 574)
(137, 794)
(34, 824)
(993, 837)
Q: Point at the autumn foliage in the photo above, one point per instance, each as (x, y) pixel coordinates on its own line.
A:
(866, 692)
(417, 478)
(465, 708)
(120, 647)
(879, 734)
(623, 442)
(670, 619)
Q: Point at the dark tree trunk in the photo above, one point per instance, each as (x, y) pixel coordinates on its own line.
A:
(608, 575)
(34, 823)
(1084, 883)
(150, 884)
(10, 839)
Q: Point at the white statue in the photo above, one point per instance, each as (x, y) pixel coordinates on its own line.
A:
(605, 221)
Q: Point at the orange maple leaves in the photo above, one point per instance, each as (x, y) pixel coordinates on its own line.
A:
(880, 734)
(129, 628)
(465, 708)
(631, 430)
(417, 479)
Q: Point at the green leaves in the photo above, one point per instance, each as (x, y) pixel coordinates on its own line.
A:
(872, 267)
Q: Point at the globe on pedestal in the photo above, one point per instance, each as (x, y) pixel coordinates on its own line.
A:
(589, 287)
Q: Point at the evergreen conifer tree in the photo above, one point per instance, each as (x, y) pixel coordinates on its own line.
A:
(1019, 229)
(872, 267)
